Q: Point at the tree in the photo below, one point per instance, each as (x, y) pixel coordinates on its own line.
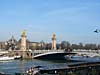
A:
(48, 46)
(80, 46)
(74, 46)
(58, 46)
(90, 46)
(98, 46)
(42, 45)
(65, 45)
(87, 46)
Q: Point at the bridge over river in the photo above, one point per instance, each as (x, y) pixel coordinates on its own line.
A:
(39, 54)
(50, 54)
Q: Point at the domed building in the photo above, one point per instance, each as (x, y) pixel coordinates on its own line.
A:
(11, 44)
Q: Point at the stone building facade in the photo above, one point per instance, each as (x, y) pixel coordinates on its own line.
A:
(2, 45)
(13, 44)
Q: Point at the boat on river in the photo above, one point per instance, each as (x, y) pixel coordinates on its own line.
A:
(2, 58)
(6, 58)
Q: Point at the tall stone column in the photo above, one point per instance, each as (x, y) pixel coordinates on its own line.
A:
(26, 54)
(23, 44)
(54, 42)
(23, 41)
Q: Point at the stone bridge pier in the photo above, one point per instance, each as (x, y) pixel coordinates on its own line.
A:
(26, 54)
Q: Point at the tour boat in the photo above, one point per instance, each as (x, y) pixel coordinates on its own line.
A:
(6, 58)
(9, 57)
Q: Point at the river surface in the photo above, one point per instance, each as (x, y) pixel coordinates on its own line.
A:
(20, 66)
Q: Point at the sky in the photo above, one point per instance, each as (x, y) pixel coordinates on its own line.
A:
(70, 20)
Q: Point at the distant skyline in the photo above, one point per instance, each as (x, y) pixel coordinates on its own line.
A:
(70, 20)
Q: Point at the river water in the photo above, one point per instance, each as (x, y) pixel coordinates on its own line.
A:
(20, 66)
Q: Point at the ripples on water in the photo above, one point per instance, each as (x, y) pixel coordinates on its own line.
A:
(20, 66)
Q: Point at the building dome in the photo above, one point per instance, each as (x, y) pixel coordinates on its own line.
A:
(12, 40)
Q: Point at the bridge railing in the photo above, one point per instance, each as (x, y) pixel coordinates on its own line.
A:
(36, 52)
(88, 51)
